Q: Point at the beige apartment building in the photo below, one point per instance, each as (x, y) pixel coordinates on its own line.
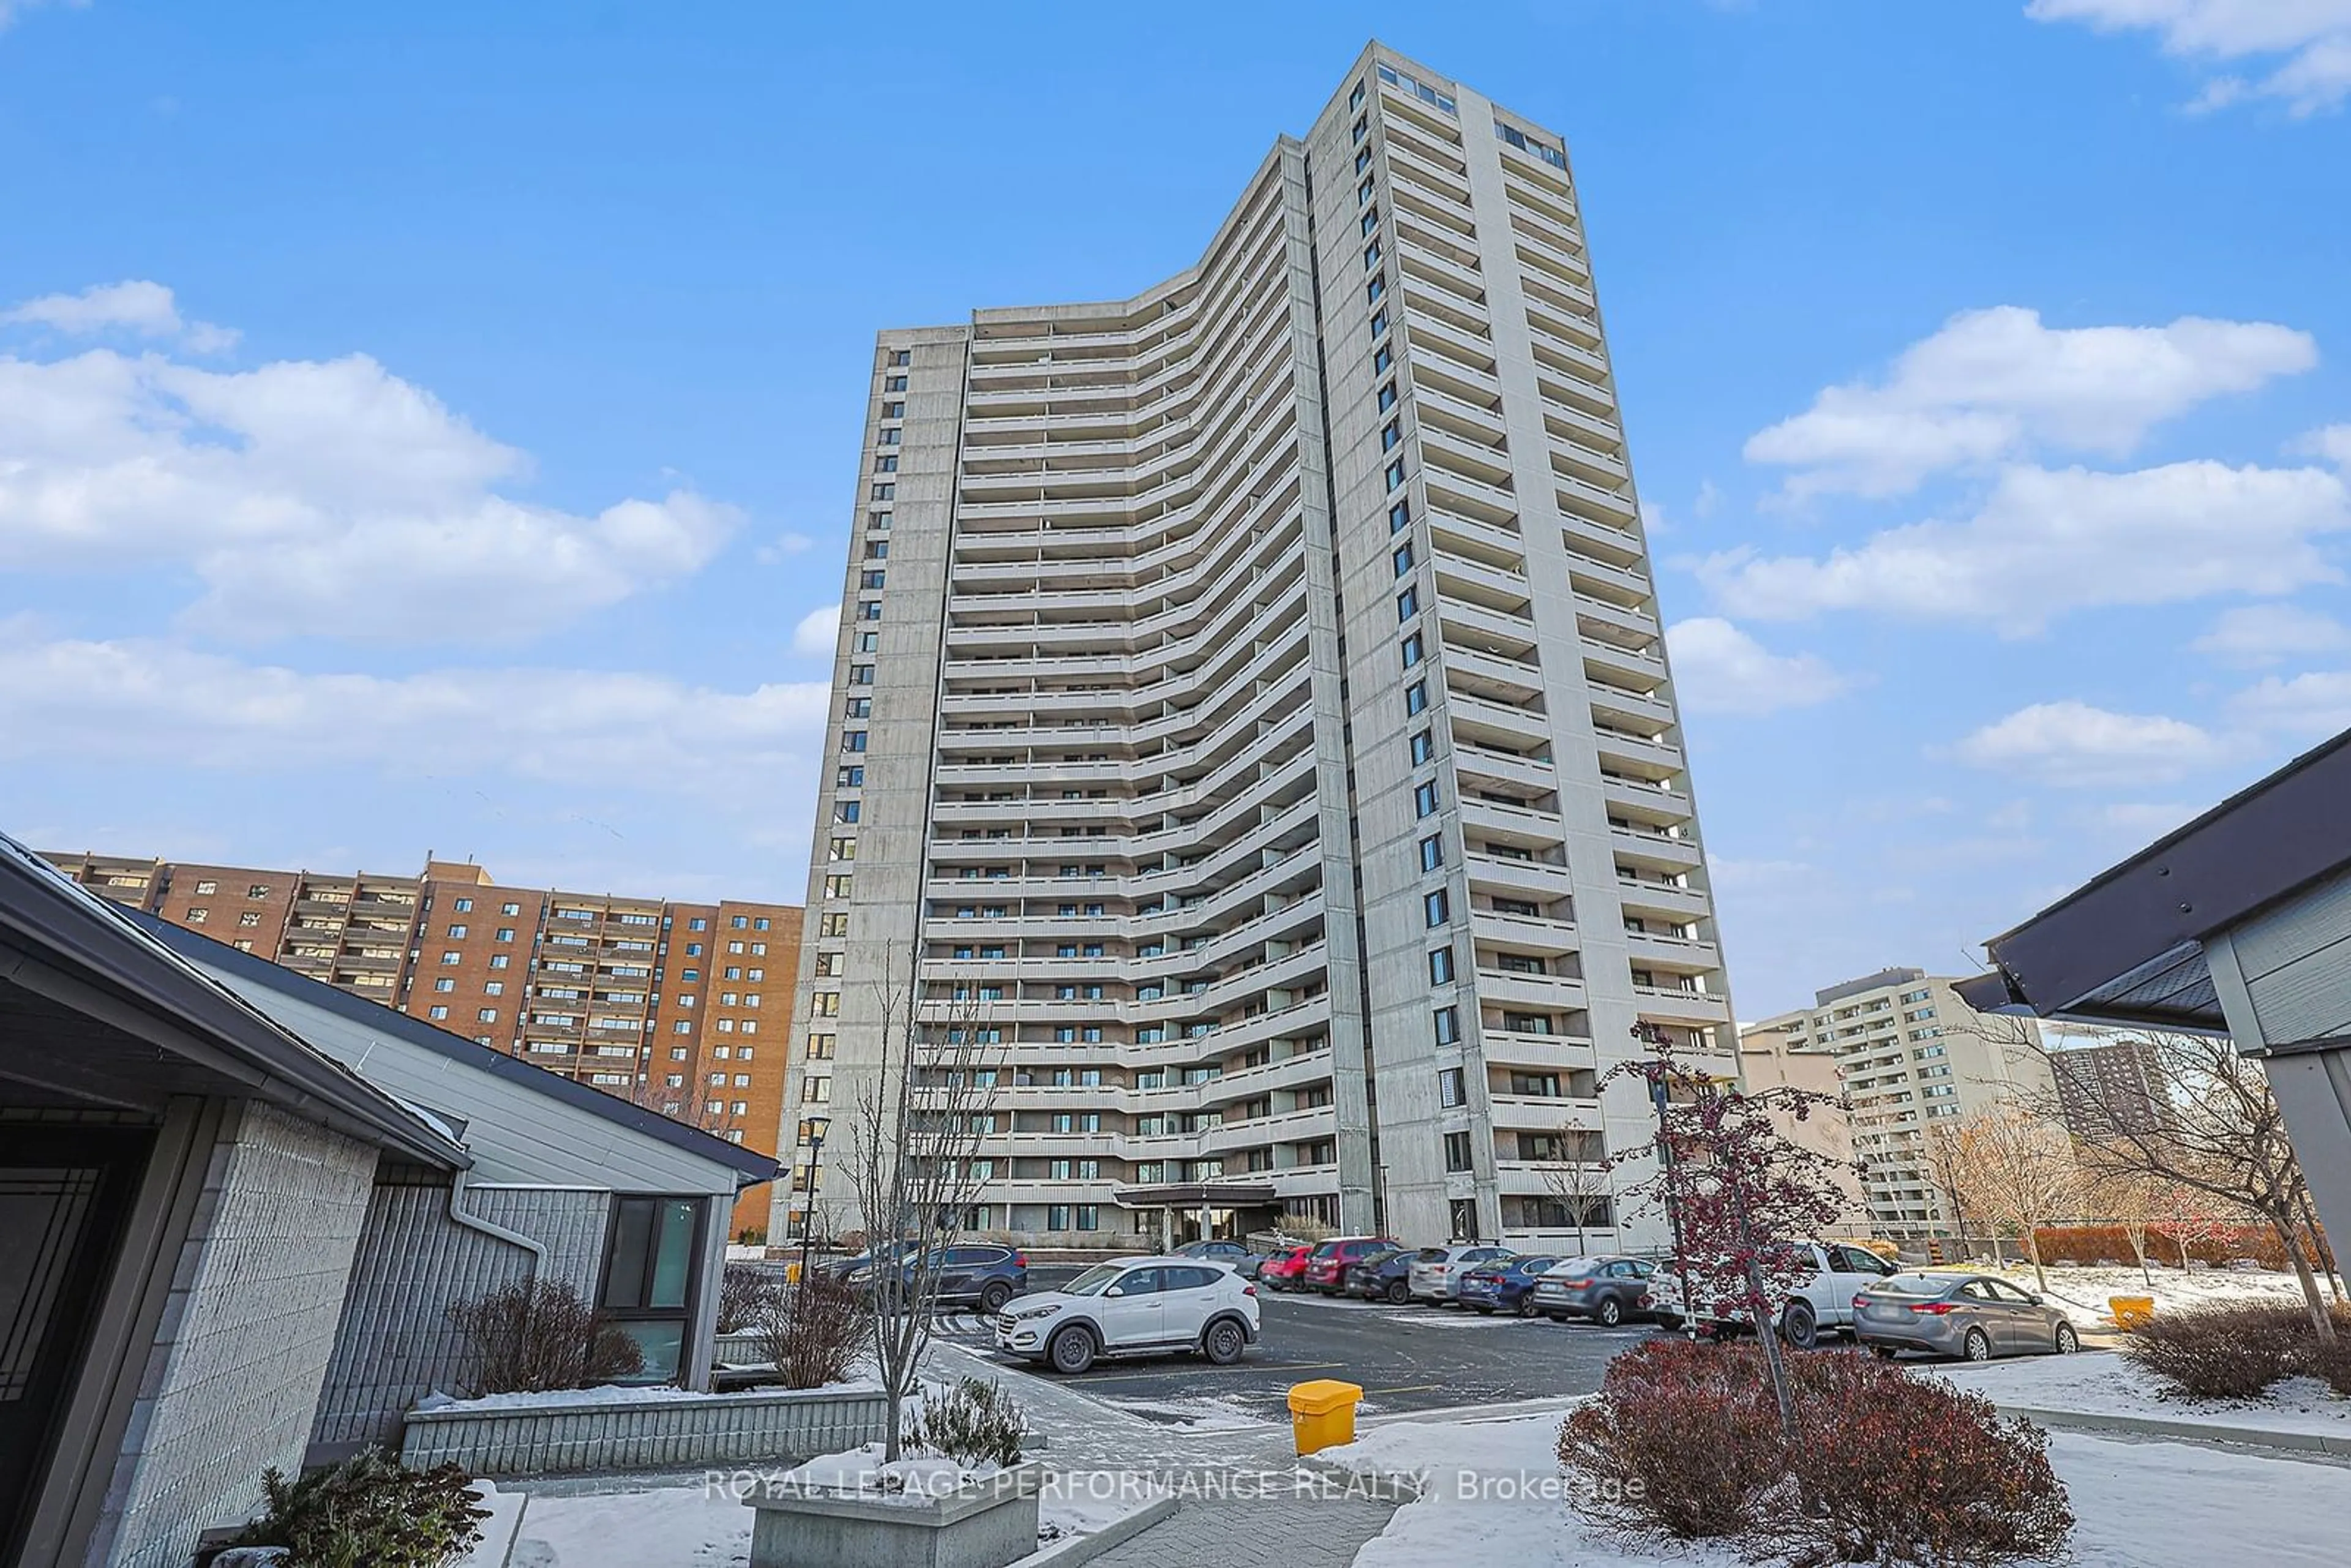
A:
(1251, 703)
(1768, 1059)
(1910, 1056)
(683, 1008)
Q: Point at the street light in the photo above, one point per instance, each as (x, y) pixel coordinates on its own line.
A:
(815, 1127)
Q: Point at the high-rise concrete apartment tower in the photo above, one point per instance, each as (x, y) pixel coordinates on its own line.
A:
(1250, 699)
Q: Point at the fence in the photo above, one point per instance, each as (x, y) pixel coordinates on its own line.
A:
(770, 1426)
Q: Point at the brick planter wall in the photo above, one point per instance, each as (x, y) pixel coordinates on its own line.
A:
(770, 1426)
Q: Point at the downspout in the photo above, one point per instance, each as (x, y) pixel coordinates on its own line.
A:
(471, 1221)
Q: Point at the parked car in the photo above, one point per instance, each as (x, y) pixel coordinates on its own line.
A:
(1436, 1273)
(1326, 1266)
(1606, 1291)
(1133, 1306)
(1387, 1276)
(980, 1276)
(1232, 1254)
(1283, 1270)
(1504, 1285)
(1976, 1316)
(1826, 1276)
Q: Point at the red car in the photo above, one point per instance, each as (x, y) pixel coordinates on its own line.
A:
(1327, 1265)
(1284, 1270)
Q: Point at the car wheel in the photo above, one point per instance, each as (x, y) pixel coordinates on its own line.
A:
(1398, 1293)
(1223, 1342)
(1610, 1313)
(1977, 1346)
(992, 1299)
(2068, 1342)
(1071, 1350)
(1526, 1305)
(1799, 1327)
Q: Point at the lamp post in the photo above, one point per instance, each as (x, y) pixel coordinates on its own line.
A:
(1669, 1162)
(816, 1127)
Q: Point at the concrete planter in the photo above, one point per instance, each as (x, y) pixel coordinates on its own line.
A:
(769, 1427)
(983, 1524)
(747, 1347)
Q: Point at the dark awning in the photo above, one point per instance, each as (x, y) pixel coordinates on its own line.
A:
(2126, 948)
(1197, 1195)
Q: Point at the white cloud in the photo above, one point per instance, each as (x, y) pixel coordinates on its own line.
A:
(154, 702)
(2309, 706)
(2146, 819)
(819, 634)
(329, 498)
(1996, 383)
(2049, 541)
(2255, 634)
(2332, 442)
(1717, 668)
(135, 306)
(2073, 744)
(2314, 37)
(782, 548)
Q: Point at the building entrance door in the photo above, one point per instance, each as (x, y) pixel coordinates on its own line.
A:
(64, 1193)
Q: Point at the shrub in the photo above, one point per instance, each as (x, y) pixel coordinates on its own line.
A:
(1303, 1227)
(1684, 1440)
(2332, 1362)
(538, 1334)
(2222, 1353)
(971, 1422)
(744, 1292)
(370, 1511)
(1896, 1468)
(814, 1330)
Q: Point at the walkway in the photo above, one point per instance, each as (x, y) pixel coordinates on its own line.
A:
(1316, 1532)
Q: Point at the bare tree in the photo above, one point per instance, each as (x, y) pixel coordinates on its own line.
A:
(2130, 1199)
(1946, 1159)
(915, 1125)
(2217, 1130)
(2020, 1172)
(1574, 1168)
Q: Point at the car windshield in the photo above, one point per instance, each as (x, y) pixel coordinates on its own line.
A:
(1915, 1284)
(1430, 1255)
(1092, 1281)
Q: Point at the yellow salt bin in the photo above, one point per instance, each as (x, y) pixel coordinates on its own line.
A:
(2130, 1311)
(1323, 1413)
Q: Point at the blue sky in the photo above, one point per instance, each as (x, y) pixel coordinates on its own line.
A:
(1983, 367)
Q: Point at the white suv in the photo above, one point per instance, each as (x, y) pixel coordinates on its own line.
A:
(1132, 1306)
(1827, 1273)
(1436, 1271)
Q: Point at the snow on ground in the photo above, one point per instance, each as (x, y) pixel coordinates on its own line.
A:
(1493, 1492)
(2083, 1292)
(614, 1393)
(2106, 1383)
(1201, 1412)
(699, 1527)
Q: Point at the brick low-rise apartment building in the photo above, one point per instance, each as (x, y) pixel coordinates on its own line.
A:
(684, 1007)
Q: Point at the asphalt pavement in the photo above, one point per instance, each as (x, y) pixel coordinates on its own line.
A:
(1406, 1359)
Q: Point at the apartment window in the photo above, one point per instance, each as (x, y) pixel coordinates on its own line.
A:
(872, 579)
(498, 960)
(503, 934)
(1424, 747)
(894, 383)
(464, 906)
(836, 886)
(1451, 1089)
(852, 740)
(1387, 397)
(487, 1015)
(494, 987)
(890, 436)
(1362, 128)
(1364, 191)
(1355, 98)
(1408, 603)
(886, 464)
(444, 984)
(1432, 851)
(860, 674)
(868, 643)
(509, 909)
(894, 410)
(846, 811)
(1369, 221)
(1424, 800)
(1377, 289)
(449, 957)
(1436, 908)
(1412, 651)
(693, 950)
(457, 932)
(1440, 965)
(1446, 1023)
(1383, 360)
(877, 550)
(886, 492)
(1416, 697)
(1457, 1151)
(1396, 474)
(1372, 254)
(901, 357)
(859, 707)
(437, 1012)
(1391, 433)
(1363, 160)
(258, 890)
(198, 916)
(1379, 320)
(869, 609)
(1399, 516)
(204, 887)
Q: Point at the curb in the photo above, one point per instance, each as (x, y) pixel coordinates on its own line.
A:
(2324, 1443)
(1118, 1532)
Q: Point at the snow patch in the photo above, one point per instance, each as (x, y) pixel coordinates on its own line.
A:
(2108, 1384)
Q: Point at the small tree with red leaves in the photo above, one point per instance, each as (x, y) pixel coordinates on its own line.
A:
(1739, 1192)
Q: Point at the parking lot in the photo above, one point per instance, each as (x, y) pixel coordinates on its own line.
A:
(1405, 1358)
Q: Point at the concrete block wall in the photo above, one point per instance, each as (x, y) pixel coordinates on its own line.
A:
(395, 1343)
(232, 1380)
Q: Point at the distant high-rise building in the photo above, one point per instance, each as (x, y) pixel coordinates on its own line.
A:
(1911, 1057)
(1250, 700)
(2106, 1090)
(684, 1007)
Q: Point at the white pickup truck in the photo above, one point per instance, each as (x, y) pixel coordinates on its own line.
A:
(1822, 1299)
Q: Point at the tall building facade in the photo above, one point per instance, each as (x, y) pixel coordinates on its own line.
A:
(1911, 1057)
(2108, 1091)
(683, 1008)
(1250, 703)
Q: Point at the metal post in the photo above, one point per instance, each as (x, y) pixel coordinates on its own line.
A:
(817, 1128)
(1659, 1096)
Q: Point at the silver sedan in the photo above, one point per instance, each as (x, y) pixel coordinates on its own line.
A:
(1977, 1316)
